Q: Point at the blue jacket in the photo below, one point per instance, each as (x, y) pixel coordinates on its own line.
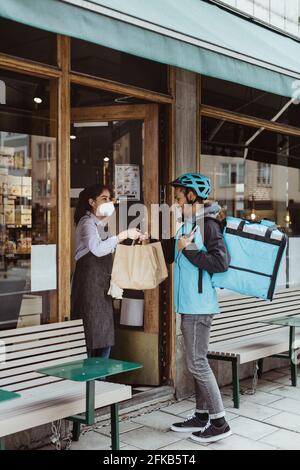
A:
(193, 289)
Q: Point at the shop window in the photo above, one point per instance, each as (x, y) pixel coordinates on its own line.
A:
(82, 96)
(26, 42)
(250, 101)
(27, 203)
(264, 174)
(45, 150)
(231, 174)
(256, 180)
(92, 59)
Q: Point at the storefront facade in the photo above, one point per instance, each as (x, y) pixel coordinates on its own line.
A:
(75, 112)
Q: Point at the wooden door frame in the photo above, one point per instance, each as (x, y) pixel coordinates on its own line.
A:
(61, 78)
(149, 113)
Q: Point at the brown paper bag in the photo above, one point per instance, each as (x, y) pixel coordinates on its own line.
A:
(139, 267)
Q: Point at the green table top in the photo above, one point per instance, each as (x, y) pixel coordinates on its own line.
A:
(5, 395)
(284, 321)
(89, 369)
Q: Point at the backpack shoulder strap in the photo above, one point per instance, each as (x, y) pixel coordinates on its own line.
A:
(221, 223)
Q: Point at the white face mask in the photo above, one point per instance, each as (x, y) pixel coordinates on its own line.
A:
(106, 209)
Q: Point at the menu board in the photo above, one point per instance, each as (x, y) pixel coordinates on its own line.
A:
(127, 181)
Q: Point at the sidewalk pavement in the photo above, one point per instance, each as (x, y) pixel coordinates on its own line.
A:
(268, 420)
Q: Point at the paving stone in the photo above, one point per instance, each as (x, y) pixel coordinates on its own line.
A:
(156, 420)
(92, 441)
(179, 407)
(254, 411)
(235, 442)
(283, 439)
(286, 404)
(150, 439)
(251, 428)
(124, 426)
(287, 392)
(285, 420)
(261, 398)
(185, 445)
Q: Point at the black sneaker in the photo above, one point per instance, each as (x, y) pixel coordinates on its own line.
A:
(212, 433)
(192, 424)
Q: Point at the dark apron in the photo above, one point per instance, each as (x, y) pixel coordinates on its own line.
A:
(90, 301)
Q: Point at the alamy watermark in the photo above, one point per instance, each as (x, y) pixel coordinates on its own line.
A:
(158, 221)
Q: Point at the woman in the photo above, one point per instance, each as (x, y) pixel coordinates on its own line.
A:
(91, 281)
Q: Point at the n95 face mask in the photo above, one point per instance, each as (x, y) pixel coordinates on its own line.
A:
(106, 209)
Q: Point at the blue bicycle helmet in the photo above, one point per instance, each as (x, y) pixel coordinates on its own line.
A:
(199, 183)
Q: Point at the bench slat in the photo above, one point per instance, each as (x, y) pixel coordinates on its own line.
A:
(238, 299)
(67, 347)
(32, 383)
(16, 379)
(255, 309)
(40, 365)
(218, 324)
(44, 342)
(242, 333)
(66, 354)
(46, 334)
(42, 328)
(258, 348)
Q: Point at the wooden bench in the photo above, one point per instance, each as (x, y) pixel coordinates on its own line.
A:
(44, 399)
(238, 336)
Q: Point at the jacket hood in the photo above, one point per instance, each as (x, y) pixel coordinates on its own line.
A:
(214, 211)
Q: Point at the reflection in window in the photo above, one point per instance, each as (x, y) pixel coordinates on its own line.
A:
(248, 101)
(27, 42)
(27, 203)
(93, 59)
(231, 173)
(257, 180)
(264, 174)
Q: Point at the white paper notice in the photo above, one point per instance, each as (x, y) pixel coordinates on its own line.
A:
(127, 180)
(43, 267)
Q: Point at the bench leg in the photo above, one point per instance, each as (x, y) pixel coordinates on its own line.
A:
(293, 357)
(2, 443)
(260, 368)
(236, 382)
(76, 431)
(114, 418)
(294, 371)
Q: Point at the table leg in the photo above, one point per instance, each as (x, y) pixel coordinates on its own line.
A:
(293, 358)
(90, 402)
(114, 418)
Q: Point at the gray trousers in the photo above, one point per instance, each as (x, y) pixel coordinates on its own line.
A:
(196, 333)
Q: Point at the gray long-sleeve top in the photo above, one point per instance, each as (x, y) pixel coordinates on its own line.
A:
(88, 238)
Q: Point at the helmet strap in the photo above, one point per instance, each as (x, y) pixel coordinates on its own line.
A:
(191, 202)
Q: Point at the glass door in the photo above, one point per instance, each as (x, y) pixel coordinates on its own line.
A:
(118, 146)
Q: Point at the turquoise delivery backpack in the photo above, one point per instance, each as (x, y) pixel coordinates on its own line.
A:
(256, 250)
